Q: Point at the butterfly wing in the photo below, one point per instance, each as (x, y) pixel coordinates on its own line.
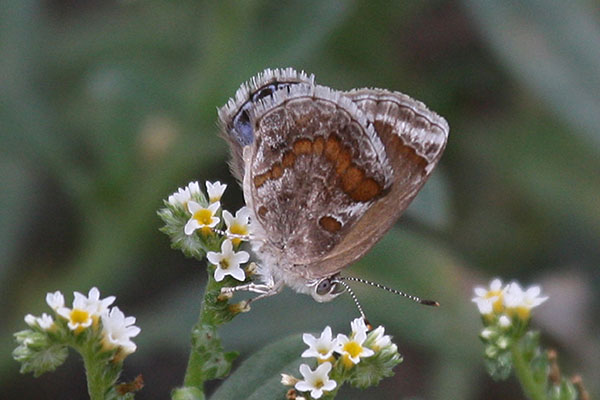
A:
(314, 170)
(414, 139)
(234, 117)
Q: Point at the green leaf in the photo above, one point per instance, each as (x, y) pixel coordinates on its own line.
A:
(564, 391)
(259, 377)
(370, 371)
(500, 366)
(211, 359)
(36, 354)
(187, 393)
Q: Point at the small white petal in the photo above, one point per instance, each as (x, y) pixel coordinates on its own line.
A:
(193, 207)
(55, 300)
(213, 257)
(228, 218)
(227, 247)
(238, 274)
(241, 257)
(191, 226)
(219, 275)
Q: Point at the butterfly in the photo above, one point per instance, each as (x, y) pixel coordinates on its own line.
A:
(325, 173)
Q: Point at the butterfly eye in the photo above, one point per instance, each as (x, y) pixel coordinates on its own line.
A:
(324, 287)
(264, 92)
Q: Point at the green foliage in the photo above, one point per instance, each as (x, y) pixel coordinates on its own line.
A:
(214, 362)
(188, 393)
(175, 220)
(371, 370)
(259, 377)
(37, 354)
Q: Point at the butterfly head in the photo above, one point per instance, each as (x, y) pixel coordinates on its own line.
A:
(326, 289)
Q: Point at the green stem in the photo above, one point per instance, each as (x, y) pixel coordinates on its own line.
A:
(193, 373)
(207, 359)
(525, 376)
(95, 376)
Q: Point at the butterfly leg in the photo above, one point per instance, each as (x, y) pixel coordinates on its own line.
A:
(263, 289)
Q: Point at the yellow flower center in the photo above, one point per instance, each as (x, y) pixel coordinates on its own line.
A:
(330, 359)
(79, 317)
(497, 306)
(224, 263)
(238, 229)
(353, 348)
(522, 312)
(203, 216)
(347, 361)
(319, 384)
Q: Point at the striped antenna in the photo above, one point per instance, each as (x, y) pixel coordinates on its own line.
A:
(360, 310)
(377, 285)
(231, 235)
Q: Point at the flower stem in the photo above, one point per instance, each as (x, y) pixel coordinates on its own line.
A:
(95, 377)
(525, 376)
(193, 373)
(207, 358)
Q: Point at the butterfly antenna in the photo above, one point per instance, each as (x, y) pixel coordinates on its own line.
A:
(377, 285)
(360, 309)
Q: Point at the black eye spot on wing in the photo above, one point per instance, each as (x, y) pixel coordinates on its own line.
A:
(242, 131)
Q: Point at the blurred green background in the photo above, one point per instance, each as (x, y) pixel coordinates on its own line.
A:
(106, 107)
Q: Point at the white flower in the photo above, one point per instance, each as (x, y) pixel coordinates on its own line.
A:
(489, 300)
(202, 217)
(215, 191)
(79, 319)
(521, 302)
(45, 321)
(352, 348)
(377, 339)
(55, 300)
(316, 381)
(228, 262)
(117, 330)
(93, 303)
(358, 326)
(86, 310)
(321, 348)
(182, 196)
(238, 225)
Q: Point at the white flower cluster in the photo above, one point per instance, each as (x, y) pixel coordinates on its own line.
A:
(350, 350)
(205, 217)
(507, 301)
(90, 312)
